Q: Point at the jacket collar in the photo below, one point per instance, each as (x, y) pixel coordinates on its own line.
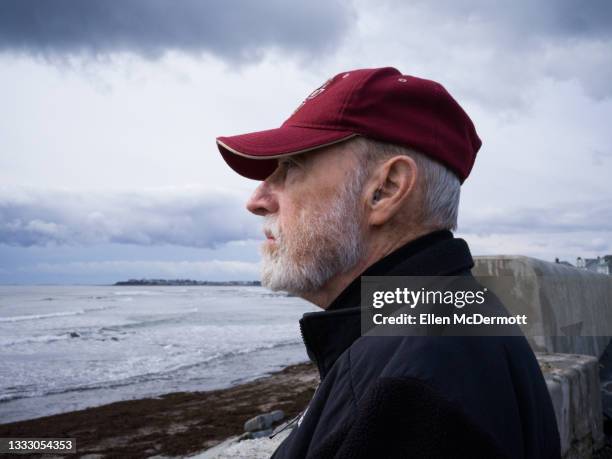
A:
(329, 333)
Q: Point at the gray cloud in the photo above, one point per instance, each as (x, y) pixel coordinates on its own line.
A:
(571, 217)
(191, 217)
(498, 52)
(525, 18)
(196, 217)
(566, 230)
(561, 39)
(151, 27)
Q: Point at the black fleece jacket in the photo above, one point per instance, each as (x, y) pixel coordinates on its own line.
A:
(420, 396)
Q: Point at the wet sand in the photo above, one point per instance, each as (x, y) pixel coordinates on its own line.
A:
(175, 424)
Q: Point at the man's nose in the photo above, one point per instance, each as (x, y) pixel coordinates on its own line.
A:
(263, 201)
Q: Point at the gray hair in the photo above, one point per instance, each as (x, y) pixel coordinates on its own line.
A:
(441, 187)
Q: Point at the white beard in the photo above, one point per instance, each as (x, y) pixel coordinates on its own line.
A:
(322, 244)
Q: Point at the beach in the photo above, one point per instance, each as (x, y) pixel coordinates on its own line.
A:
(174, 424)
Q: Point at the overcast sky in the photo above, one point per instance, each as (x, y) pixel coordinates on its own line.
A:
(108, 165)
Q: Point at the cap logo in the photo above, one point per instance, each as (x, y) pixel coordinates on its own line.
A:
(313, 94)
(319, 90)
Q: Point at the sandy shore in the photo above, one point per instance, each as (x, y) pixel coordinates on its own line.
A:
(175, 424)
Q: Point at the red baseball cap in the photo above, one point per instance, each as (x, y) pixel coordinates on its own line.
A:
(380, 104)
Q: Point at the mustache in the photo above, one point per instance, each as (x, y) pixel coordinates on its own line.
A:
(270, 225)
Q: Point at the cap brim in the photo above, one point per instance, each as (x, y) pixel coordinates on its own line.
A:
(254, 155)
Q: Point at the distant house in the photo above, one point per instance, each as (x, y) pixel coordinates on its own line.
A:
(563, 262)
(601, 265)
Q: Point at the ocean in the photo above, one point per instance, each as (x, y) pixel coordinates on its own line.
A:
(64, 348)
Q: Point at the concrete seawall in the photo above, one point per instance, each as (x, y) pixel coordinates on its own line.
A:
(571, 309)
(572, 314)
(573, 384)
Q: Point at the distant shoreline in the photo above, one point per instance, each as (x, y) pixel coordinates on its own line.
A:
(128, 283)
(185, 282)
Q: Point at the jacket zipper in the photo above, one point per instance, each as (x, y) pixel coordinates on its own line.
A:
(286, 426)
(295, 418)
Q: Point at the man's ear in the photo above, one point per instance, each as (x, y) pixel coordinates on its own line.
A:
(394, 182)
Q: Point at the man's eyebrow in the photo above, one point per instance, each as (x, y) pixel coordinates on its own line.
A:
(299, 158)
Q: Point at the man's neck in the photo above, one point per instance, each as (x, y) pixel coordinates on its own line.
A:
(379, 249)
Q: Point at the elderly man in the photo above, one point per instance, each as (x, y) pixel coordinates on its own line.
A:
(364, 179)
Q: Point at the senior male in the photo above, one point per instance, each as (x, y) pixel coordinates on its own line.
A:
(364, 179)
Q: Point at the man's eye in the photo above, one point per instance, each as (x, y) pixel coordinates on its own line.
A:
(287, 164)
